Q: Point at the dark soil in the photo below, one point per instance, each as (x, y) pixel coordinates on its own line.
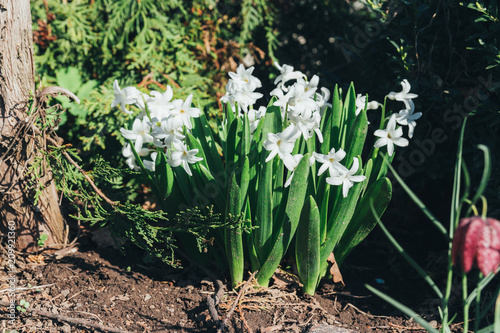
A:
(104, 287)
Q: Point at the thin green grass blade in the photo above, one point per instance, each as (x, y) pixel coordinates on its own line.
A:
(486, 173)
(406, 310)
(455, 197)
(405, 255)
(419, 203)
(496, 325)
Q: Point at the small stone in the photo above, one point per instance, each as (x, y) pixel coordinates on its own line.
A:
(433, 323)
(147, 297)
(65, 292)
(322, 328)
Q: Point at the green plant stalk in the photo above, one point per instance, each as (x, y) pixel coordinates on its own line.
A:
(419, 320)
(419, 203)
(496, 325)
(477, 319)
(485, 177)
(405, 255)
(454, 217)
(466, 305)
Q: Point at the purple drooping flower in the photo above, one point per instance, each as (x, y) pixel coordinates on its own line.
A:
(476, 243)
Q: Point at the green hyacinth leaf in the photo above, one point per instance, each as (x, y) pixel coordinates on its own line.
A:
(263, 216)
(364, 221)
(307, 246)
(193, 143)
(164, 175)
(234, 236)
(338, 221)
(336, 121)
(356, 138)
(288, 224)
(206, 136)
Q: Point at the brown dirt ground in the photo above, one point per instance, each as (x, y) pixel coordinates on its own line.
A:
(125, 294)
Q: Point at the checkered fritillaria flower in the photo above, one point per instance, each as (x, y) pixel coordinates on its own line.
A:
(476, 243)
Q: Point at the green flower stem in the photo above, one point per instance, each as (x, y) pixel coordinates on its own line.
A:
(417, 201)
(446, 299)
(406, 310)
(405, 255)
(477, 319)
(466, 304)
(382, 116)
(496, 325)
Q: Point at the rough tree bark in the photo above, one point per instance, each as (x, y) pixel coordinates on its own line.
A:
(20, 143)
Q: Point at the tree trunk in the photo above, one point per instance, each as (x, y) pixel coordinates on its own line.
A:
(28, 195)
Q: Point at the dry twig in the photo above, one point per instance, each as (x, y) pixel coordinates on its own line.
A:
(69, 320)
(235, 303)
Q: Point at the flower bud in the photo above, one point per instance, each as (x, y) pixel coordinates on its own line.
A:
(476, 243)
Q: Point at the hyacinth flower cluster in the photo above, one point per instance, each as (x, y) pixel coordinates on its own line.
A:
(288, 171)
(161, 124)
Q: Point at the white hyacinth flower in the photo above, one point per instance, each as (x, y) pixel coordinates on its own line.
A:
(404, 95)
(331, 162)
(286, 74)
(390, 136)
(281, 144)
(296, 159)
(347, 179)
(129, 155)
(243, 78)
(159, 104)
(361, 103)
(183, 111)
(168, 131)
(125, 96)
(406, 117)
(139, 134)
(182, 156)
(150, 165)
